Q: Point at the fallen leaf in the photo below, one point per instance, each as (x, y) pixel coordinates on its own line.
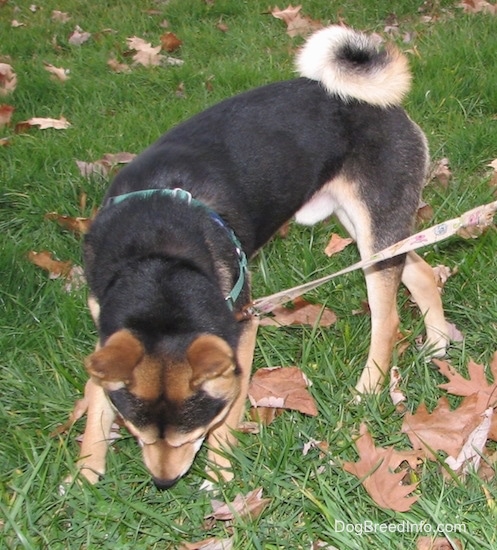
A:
(45, 260)
(45, 123)
(425, 212)
(282, 388)
(296, 23)
(396, 395)
(72, 275)
(103, 166)
(476, 383)
(442, 274)
(77, 225)
(212, 543)
(117, 67)
(250, 505)
(470, 455)
(146, 54)
(441, 172)
(337, 244)
(58, 72)
(79, 36)
(437, 543)
(302, 313)
(6, 112)
(60, 16)
(4, 142)
(16, 24)
(443, 429)
(170, 42)
(323, 446)
(375, 468)
(478, 6)
(8, 79)
(454, 334)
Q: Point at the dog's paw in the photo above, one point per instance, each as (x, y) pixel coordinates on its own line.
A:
(436, 345)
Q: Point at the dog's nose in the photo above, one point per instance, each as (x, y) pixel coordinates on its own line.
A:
(163, 484)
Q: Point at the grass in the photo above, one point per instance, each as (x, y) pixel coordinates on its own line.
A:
(46, 332)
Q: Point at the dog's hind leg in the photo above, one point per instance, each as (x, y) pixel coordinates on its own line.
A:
(419, 279)
(382, 285)
(221, 438)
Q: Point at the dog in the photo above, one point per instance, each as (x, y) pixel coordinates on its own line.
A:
(166, 255)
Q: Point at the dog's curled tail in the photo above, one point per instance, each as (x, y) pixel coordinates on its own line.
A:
(353, 65)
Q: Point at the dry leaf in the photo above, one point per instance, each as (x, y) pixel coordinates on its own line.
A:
(60, 16)
(302, 313)
(337, 244)
(250, 505)
(45, 260)
(79, 36)
(170, 42)
(476, 383)
(425, 212)
(375, 468)
(8, 79)
(103, 166)
(16, 24)
(212, 543)
(118, 67)
(441, 172)
(296, 23)
(444, 429)
(282, 388)
(146, 54)
(6, 112)
(438, 543)
(478, 6)
(44, 123)
(396, 395)
(470, 455)
(76, 225)
(58, 72)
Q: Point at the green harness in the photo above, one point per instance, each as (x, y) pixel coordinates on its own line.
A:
(185, 196)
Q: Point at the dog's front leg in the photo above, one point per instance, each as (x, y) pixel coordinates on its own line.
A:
(100, 417)
(382, 286)
(222, 437)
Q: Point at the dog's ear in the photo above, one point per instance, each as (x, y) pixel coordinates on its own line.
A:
(211, 359)
(112, 365)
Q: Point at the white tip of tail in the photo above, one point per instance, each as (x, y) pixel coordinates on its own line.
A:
(353, 65)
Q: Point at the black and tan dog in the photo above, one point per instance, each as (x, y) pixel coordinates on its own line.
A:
(165, 256)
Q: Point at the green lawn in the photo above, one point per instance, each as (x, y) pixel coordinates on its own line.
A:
(46, 331)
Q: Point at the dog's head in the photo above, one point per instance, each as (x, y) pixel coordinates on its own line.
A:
(168, 405)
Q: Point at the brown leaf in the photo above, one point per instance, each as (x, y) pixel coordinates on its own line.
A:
(375, 468)
(425, 212)
(170, 42)
(282, 388)
(44, 123)
(437, 543)
(6, 112)
(79, 36)
(146, 54)
(8, 79)
(45, 260)
(117, 67)
(302, 313)
(336, 244)
(250, 505)
(441, 172)
(476, 383)
(297, 24)
(58, 72)
(212, 543)
(76, 225)
(478, 6)
(60, 16)
(444, 429)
